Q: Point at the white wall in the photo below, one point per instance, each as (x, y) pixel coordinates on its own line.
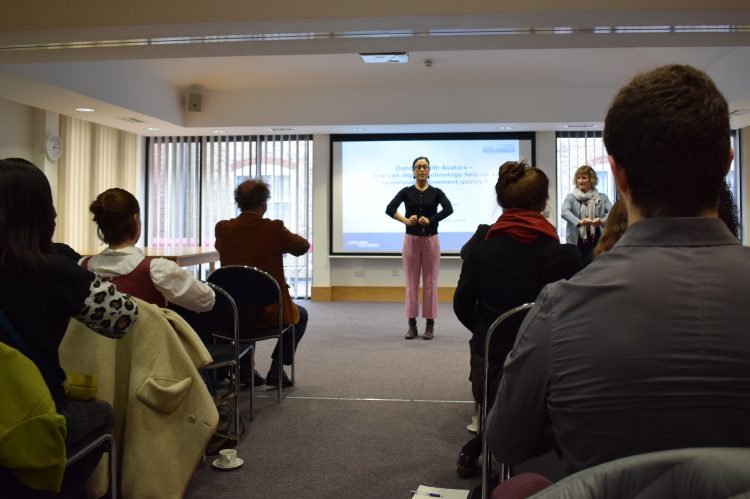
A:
(15, 130)
(23, 132)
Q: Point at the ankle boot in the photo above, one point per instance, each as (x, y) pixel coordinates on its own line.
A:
(429, 330)
(412, 332)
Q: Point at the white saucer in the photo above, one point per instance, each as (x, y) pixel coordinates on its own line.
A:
(216, 463)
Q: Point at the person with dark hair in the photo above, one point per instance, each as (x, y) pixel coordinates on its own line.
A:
(421, 248)
(520, 254)
(40, 291)
(646, 348)
(585, 210)
(156, 280)
(253, 240)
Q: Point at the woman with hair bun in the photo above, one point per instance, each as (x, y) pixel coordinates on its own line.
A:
(155, 280)
(519, 256)
(585, 209)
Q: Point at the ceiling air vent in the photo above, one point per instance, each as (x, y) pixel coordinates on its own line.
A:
(130, 119)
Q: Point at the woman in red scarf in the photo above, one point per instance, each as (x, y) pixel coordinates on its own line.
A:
(519, 256)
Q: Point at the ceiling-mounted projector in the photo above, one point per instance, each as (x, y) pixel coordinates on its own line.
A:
(385, 57)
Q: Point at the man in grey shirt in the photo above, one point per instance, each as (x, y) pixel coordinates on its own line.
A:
(647, 348)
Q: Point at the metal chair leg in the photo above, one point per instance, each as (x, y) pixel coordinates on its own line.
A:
(294, 342)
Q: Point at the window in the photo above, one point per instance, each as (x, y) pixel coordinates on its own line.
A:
(191, 182)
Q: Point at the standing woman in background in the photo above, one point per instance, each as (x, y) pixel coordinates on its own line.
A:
(421, 250)
(585, 210)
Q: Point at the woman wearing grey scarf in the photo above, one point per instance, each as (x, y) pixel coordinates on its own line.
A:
(585, 210)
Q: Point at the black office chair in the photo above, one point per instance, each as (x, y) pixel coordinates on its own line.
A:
(253, 290)
(506, 328)
(221, 324)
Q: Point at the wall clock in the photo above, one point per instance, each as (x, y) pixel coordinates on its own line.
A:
(53, 147)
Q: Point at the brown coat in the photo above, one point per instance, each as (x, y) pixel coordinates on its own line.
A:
(252, 240)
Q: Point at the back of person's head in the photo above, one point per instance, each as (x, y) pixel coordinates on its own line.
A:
(27, 215)
(617, 222)
(728, 212)
(668, 130)
(519, 185)
(115, 213)
(251, 194)
(588, 171)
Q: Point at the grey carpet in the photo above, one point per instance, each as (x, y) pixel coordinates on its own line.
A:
(319, 444)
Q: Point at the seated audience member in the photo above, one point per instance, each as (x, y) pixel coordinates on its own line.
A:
(40, 291)
(65, 250)
(521, 253)
(155, 280)
(259, 242)
(617, 222)
(646, 349)
(479, 235)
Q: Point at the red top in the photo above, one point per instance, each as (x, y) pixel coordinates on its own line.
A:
(137, 283)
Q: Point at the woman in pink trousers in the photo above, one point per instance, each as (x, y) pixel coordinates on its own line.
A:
(421, 250)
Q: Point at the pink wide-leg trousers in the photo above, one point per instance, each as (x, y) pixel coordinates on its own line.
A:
(421, 255)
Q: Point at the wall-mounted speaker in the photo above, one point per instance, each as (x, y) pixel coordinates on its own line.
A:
(194, 101)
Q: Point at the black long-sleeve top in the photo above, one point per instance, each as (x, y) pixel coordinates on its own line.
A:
(422, 204)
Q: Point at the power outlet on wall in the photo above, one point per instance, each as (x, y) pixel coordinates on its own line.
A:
(359, 273)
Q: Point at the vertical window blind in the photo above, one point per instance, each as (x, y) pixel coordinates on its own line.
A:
(191, 182)
(96, 158)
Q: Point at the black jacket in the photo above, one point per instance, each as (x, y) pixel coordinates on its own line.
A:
(501, 273)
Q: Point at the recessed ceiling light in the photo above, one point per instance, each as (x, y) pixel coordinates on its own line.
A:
(219, 131)
(85, 109)
(153, 129)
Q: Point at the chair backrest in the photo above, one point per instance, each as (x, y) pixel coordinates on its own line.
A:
(697, 473)
(504, 328)
(222, 319)
(498, 343)
(251, 288)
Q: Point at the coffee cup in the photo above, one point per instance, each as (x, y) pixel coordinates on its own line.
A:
(228, 457)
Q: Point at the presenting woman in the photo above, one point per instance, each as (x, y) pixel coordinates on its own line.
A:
(519, 255)
(156, 280)
(585, 210)
(421, 250)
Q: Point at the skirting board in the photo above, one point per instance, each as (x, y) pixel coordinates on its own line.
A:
(371, 293)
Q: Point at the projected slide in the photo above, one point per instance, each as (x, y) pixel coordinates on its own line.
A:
(368, 174)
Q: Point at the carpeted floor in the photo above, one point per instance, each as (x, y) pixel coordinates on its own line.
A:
(333, 435)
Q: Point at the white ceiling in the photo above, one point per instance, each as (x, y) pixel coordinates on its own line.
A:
(528, 80)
